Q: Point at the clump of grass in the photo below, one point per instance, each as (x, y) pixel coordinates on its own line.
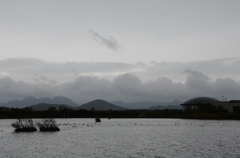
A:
(24, 125)
(47, 125)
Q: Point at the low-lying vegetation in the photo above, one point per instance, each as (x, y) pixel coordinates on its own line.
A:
(204, 113)
(28, 125)
(24, 125)
(48, 125)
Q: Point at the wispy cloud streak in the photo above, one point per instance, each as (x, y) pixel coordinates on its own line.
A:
(110, 42)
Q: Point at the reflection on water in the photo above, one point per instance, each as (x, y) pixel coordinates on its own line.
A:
(133, 138)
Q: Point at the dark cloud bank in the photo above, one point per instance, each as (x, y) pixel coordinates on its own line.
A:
(86, 81)
(125, 87)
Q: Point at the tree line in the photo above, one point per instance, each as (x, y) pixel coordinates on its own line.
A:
(201, 113)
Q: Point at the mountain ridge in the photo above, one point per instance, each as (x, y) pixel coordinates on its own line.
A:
(97, 104)
(29, 101)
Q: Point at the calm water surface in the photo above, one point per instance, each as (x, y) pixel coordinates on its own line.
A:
(120, 138)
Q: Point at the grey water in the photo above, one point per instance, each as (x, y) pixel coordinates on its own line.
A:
(125, 138)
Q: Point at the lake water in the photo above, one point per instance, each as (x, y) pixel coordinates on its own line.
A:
(125, 138)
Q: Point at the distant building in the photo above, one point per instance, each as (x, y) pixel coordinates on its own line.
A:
(231, 106)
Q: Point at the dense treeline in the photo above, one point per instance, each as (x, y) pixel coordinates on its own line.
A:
(202, 113)
(82, 113)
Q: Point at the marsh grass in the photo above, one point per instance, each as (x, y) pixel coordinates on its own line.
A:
(24, 125)
(47, 124)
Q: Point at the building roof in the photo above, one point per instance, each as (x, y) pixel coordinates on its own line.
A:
(199, 100)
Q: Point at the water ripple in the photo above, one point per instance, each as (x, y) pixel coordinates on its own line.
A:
(120, 138)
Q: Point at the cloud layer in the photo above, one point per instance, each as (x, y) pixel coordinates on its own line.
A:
(127, 87)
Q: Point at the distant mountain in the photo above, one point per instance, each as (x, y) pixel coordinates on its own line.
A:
(160, 107)
(44, 106)
(144, 105)
(33, 101)
(100, 105)
(63, 100)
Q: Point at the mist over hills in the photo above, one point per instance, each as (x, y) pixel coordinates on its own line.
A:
(60, 101)
(147, 105)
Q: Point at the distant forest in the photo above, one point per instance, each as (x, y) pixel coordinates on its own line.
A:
(52, 112)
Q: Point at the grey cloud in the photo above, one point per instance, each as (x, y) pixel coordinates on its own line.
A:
(17, 63)
(44, 79)
(157, 81)
(165, 89)
(227, 84)
(30, 65)
(197, 80)
(127, 84)
(193, 73)
(110, 42)
(87, 88)
(11, 89)
(57, 72)
(216, 68)
(25, 68)
(125, 87)
(128, 87)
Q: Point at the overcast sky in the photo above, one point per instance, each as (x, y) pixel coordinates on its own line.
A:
(138, 50)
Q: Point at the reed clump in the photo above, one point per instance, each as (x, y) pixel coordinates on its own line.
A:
(24, 125)
(48, 124)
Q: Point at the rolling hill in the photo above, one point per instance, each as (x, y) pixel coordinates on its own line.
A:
(100, 105)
